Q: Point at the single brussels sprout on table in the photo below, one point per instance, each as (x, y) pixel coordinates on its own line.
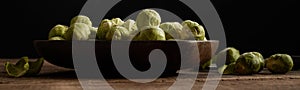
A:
(279, 63)
(248, 63)
(226, 56)
(81, 19)
(130, 25)
(151, 33)
(78, 31)
(173, 30)
(147, 17)
(227, 69)
(195, 28)
(261, 60)
(58, 31)
(19, 69)
(118, 33)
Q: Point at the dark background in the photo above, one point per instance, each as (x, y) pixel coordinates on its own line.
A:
(267, 26)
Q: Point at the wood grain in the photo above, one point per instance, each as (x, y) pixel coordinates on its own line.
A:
(53, 77)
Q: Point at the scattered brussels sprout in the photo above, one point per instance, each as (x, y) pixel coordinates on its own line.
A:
(58, 30)
(147, 17)
(172, 30)
(205, 65)
(261, 60)
(103, 28)
(19, 69)
(226, 56)
(248, 63)
(117, 21)
(78, 31)
(227, 69)
(279, 63)
(130, 25)
(24, 67)
(57, 38)
(35, 67)
(222, 68)
(151, 33)
(81, 19)
(195, 28)
(117, 33)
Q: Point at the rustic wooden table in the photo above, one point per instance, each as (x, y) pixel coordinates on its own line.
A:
(58, 78)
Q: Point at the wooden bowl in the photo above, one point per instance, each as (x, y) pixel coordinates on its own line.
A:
(60, 52)
(296, 61)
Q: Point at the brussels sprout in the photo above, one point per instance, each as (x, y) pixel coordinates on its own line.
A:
(227, 69)
(279, 63)
(35, 67)
(261, 60)
(93, 34)
(81, 19)
(226, 56)
(103, 28)
(151, 33)
(130, 25)
(56, 38)
(78, 31)
(117, 21)
(196, 29)
(24, 67)
(147, 17)
(205, 65)
(172, 30)
(247, 63)
(18, 69)
(117, 33)
(57, 30)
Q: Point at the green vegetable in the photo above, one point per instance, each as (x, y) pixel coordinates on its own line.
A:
(118, 33)
(35, 67)
(195, 28)
(24, 67)
(226, 56)
(117, 21)
(261, 60)
(56, 38)
(58, 30)
(148, 17)
(247, 63)
(173, 30)
(103, 28)
(93, 34)
(130, 25)
(78, 31)
(81, 19)
(19, 69)
(227, 69)
(279, 63)
(151, 33)
(205, 65)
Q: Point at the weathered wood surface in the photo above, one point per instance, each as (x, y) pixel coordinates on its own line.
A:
(57, 78)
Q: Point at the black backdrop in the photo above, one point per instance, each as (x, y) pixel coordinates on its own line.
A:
(267, 26)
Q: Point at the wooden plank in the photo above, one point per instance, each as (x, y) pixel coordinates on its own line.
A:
(53, 77)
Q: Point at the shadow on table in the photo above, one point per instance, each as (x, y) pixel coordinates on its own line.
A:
(71, 74)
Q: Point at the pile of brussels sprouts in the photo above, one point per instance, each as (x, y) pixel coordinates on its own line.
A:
(230, 61)
(146, 26)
